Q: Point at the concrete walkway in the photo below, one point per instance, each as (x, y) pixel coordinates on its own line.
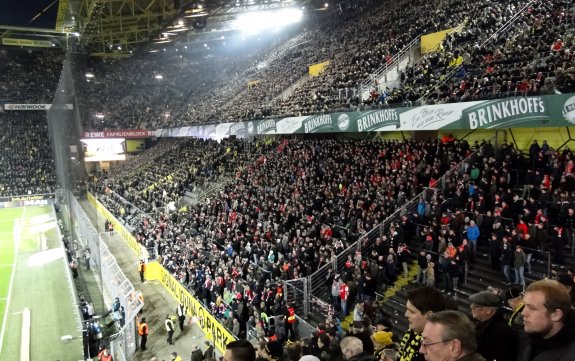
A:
(157, 302)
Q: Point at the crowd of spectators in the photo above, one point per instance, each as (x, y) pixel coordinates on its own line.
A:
(531, 55)
(26, 159)
(298, 203)
(155, 181)
(19, 85)
(292, 208)
(175, 88)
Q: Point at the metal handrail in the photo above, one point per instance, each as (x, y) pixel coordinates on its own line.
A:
(501, 29)
(362, 243)
(385, 67)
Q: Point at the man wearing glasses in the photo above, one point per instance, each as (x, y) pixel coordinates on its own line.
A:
(449, 336)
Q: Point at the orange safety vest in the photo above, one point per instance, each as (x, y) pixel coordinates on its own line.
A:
(143, 329)
(291, 317)
(141, 267)
(102, 357)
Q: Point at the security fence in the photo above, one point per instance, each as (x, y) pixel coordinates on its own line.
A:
(296, 294)
(113, 281)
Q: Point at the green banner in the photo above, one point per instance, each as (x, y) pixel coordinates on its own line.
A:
(514, 112)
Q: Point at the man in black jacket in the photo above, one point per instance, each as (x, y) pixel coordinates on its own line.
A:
(495, 339)
(548, 322)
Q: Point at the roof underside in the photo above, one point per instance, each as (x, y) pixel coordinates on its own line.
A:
(40, 23)
(122, 27)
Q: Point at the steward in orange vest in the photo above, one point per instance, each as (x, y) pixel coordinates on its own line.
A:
(142, 269)
(289, 322)
(143, 331)
(104, 355)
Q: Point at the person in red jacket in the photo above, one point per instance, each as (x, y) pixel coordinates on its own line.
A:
(343, 296)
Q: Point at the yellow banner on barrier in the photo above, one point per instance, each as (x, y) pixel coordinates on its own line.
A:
(430, 42)
(118, 227)
(317, 69)
(210, 326)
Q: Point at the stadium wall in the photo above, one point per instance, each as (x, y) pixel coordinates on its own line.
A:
(522, 138)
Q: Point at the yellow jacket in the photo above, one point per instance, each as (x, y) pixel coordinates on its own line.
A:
(381, 339)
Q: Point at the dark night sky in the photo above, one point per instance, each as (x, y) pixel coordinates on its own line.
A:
(21, 12)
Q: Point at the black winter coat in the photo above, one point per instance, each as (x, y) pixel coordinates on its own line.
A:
(495, 339)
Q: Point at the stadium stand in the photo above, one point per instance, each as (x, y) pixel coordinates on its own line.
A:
(26, 160)
(500, 51)
(27, 163)
(298, 203)
(520, 61)
(235, 220)
(17, 85)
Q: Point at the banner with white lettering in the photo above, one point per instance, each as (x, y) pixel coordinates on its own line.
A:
(27, 42)
(519, 112)
(118, 134)
(36, 106)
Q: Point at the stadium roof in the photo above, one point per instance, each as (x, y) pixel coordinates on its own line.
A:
(38, 23)
(123, 27)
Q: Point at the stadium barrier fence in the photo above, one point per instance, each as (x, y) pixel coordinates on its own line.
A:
(114, 282)
(210, 326)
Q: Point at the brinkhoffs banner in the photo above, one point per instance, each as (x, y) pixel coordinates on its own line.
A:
(516, 112)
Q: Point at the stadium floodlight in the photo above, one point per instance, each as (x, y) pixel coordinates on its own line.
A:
(159, 76)
(89, 75)
(99, 115)
(255, 22)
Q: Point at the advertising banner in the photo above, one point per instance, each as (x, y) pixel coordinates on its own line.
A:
(118, 134)
(317, 69)
(211, 327)
(35, 106)
(27, 200)
(430, 42)
(513, 112)
(27, 42)
(118, 227)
